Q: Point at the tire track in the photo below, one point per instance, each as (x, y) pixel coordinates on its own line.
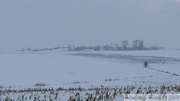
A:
(132, 59)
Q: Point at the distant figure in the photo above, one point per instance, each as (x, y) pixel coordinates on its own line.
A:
(145, 64)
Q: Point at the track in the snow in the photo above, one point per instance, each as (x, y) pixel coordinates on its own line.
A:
(132, 58)
(135, 59)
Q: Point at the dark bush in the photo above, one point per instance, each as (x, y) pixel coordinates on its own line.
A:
(145, 64)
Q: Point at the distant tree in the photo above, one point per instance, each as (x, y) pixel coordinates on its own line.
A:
(107, 48)
(125, 45)
(28, 49)
(154, 47)
(140, 45)
(137, 45)
(69, 48)
(39, 84)
(97, 48)
(117, 47)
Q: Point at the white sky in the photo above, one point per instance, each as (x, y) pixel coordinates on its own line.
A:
(49, 23)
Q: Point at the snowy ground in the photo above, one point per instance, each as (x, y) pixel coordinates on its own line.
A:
(87, 69)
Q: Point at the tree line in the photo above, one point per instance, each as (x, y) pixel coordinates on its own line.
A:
(124, 45)
(136, 45)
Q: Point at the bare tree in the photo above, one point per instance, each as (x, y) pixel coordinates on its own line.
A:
(138, 45)
(125, 45)
(135, 44)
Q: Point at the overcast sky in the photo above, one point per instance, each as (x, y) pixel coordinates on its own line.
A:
(50, 23)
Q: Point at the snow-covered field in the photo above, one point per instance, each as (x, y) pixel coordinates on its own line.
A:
(89, 69)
